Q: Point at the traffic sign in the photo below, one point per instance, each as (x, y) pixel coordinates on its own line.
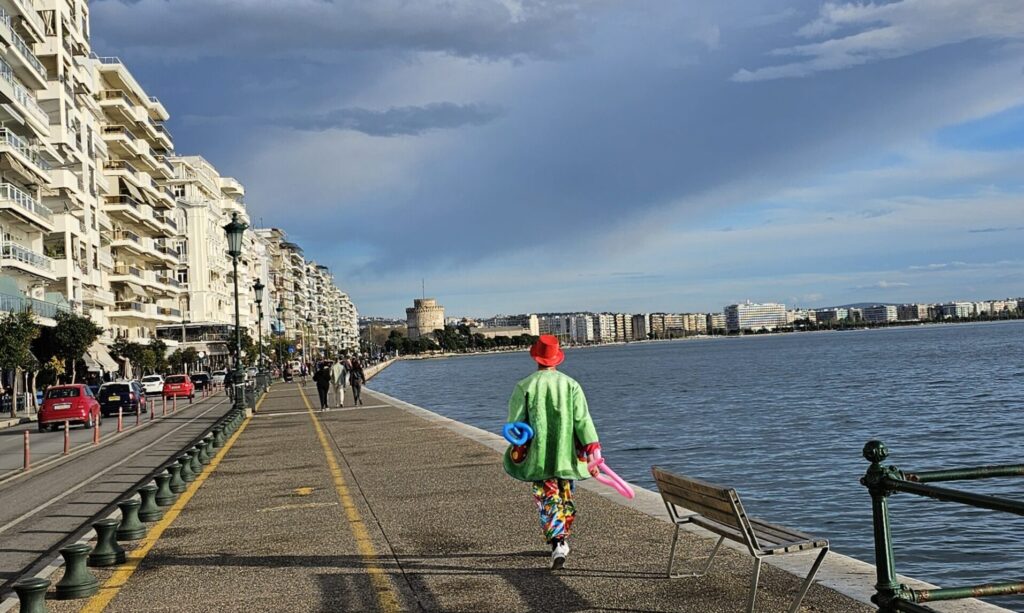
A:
(291, 349)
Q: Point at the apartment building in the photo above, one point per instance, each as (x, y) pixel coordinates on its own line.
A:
(752, 317)
(143, 211)
(880, 314)
(623, 327)
(29, 267)
(641, 327)
(912, 312)
(832, 315)
(604, 327)
(695, 323)
(950, 310)
(526, 321)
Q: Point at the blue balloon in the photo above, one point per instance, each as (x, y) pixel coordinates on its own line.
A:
(517, 433)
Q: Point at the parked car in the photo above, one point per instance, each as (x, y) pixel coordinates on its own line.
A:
(72, 403)
(128, 396)
(153, 384)
(179, 386)
(201, 380)
(217, 378)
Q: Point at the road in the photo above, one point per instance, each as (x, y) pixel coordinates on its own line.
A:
(55, 502)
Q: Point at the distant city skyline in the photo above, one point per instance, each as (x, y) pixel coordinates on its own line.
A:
(660, 156)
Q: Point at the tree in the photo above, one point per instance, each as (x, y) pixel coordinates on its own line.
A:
(248, 348)
(159, 349)
(17, 331)
(72, 336)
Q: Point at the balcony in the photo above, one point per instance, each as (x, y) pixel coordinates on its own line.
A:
(24, 206)
(128, 306)
(122, 270)
(13, 255)
(25, 153)
(24, 304)
(122, 166)
(20, 94)
(24, 53)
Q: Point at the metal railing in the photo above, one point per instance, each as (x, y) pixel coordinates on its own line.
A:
(21, 93)
(14, 251)
(120, 130)
(21, 45)
(884, 481)
(123, 199)
(24, 304)
(120, 165)
(13, 194)
(127, 235)
(21, 145)
(115, 94)
(110, 60)
(125, 269)
(127, 305)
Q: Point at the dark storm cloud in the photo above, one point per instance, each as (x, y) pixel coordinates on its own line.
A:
(395, 121)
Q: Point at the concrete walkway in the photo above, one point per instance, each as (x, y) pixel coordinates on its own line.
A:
(378, 509)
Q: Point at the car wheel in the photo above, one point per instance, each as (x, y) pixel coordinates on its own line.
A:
(89, 422)
(43, 427)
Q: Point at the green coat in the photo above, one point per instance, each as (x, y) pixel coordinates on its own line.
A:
(559, 417)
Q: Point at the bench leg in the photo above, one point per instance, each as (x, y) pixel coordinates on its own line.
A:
(753, 585)
(807, 582)
(707, 564)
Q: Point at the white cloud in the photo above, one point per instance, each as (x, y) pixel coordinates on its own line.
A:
(891, 30)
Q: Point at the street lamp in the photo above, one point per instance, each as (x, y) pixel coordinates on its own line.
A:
(258, 289)
(235, 230)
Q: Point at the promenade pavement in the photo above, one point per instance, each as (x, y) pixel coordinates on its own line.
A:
(377, 509)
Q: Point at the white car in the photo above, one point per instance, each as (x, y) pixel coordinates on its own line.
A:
(153, 384)
(217, 378)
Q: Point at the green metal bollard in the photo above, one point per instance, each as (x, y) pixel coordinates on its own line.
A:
(32, 594)
(77, 581)
(164, 496)
(131, 529)
(177, 485)
(204, 451)
(888, 589)
(218, 436)
(107, 551)
(196, 465)
(186, 471)
(149, 511)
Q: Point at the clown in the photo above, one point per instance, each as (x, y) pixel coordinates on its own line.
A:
(564, 441)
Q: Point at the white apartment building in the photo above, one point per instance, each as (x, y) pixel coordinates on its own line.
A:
(695, 323)
(754, 316)
(956, 309)
(604, 327)
(527, 321)
(716, 322)
(142, 209)
(29, 267)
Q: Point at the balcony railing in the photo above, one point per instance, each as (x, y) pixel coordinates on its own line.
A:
(120, 130)
(162, 128)
(22, 46)
(18, 143)
(20, 304)
(14, 251)
(123, 199)
(127, 235)
(110, 60)
(21, 94)
(166, 163)
(119, 165)
(167, 220)
(169, 311)
(13, 194)
(128, 305)
(125, 269)
(115, 94)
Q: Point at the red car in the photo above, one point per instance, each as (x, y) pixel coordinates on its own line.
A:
(178, 386)
(71, 403)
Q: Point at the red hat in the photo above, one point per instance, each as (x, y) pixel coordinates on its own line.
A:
(546, 351)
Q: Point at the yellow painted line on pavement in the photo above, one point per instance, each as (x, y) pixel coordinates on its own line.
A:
(386, 597)
(119, 579)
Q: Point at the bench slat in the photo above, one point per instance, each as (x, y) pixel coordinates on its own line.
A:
(695, 499)
(776, 533)
(703, 487)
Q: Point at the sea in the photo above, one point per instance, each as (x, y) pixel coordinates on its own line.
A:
(783, 419)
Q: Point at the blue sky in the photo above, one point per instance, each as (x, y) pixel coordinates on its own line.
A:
(546, 155)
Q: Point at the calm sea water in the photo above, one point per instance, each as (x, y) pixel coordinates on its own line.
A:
(783, 420)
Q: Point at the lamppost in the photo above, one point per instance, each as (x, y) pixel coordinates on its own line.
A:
(235, 230)
(258, 289)
(281, 332)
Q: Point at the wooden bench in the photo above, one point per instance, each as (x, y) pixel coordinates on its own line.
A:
(719, 510)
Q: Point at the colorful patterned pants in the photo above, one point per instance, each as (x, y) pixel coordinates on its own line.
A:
(557, 511)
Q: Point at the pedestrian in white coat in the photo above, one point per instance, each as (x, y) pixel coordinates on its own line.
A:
(338, 375)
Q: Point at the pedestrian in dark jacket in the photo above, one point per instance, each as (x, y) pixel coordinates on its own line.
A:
(356, 378)
(322, 377)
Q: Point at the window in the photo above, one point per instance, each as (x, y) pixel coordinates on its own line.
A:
(182, 275)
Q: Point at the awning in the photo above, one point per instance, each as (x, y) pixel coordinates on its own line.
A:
(20, 168)
(136, 289)
(134, 191)
(99, 354)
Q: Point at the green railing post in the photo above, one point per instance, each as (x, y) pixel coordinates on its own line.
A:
(887, 587)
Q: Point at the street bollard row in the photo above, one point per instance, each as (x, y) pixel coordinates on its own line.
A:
(78, 581)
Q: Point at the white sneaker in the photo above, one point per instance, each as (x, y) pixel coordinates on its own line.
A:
(558, 555)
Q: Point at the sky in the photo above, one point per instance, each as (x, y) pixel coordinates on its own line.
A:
(604, 155)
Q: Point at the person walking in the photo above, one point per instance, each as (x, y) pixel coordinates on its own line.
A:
(356, 378)
(322, 378)
(564, 441)
(338, 374)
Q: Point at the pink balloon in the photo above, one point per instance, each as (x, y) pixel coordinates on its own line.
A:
(611, 479)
